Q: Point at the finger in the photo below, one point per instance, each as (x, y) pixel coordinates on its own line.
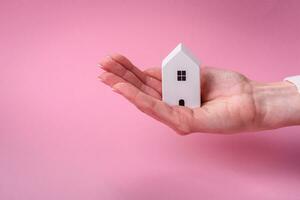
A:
(112, 79)
(112, 66)
(128, 65)
(175, 117)
(108, 64)
(153, 78)
(155, 84)
(154, 72)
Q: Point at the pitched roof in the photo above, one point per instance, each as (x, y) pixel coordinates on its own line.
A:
(180, 48)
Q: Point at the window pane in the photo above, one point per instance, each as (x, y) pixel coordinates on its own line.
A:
(178, 72)
(183, 78)
(178, 78)
(183, 72)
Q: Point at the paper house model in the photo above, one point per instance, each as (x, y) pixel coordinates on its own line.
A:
(181, 78)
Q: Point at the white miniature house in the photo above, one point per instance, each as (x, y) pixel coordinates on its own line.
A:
(181, 78)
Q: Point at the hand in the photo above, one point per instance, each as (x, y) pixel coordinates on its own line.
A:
(231, 102)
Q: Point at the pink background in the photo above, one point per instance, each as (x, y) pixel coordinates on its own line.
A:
(64, 135)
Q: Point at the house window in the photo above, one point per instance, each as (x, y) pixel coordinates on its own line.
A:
(181, 75)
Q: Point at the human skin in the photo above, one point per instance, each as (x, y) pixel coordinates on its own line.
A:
(231, 103)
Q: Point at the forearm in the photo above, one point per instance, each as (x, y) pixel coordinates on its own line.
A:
(277, 104)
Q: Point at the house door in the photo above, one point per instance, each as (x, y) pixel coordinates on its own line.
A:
(181, 102)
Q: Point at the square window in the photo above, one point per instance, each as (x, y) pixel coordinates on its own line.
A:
(181, 75)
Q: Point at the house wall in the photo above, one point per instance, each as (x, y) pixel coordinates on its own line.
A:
(188, 90)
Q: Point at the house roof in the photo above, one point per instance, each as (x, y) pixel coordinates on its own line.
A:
(180, 48)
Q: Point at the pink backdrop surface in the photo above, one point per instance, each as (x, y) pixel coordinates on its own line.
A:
(64, 135)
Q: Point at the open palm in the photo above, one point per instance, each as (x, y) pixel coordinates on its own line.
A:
(227, 101)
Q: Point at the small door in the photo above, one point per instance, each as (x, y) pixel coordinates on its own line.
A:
(181, 102)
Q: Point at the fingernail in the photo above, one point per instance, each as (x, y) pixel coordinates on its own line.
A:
(101, 78)
(116, 91)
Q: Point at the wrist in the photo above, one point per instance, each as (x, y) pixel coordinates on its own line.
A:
(277, 104)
